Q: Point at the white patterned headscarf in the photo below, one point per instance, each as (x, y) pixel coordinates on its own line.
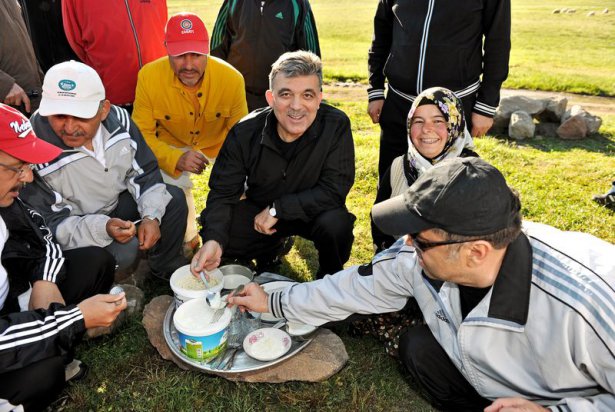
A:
(458, 136)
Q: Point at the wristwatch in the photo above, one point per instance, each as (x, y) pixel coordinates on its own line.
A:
(272, 210)
(151, 218)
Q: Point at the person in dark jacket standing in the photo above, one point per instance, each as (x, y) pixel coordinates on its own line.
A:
(20, 74)
(252, 34)
(282, 171)
(463, 46)
(38, 332)
(43, 19)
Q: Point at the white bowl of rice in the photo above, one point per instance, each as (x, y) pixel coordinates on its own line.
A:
(186, 286)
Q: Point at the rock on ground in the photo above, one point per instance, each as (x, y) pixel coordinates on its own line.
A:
(521, 126)
(573, 128)
(555, 108)
(509, 105)
(322, 358)
(546, 129)
(134, 299)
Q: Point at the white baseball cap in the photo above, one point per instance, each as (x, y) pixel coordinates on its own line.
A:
(71, 88)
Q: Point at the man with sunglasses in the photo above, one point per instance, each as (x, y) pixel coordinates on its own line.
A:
(516, 318)
(42, 312)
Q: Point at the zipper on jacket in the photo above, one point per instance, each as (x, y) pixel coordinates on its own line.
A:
(423, 50)
(134, 32)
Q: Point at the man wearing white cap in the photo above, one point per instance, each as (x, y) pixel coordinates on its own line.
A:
(35, 344)
(517, 319)
(107, 179)
(185, 105)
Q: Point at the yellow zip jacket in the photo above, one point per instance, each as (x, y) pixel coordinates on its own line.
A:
(164, 113)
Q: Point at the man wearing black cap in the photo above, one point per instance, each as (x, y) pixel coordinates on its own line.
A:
(515, 319)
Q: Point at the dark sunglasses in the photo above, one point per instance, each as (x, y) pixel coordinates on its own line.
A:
(422, 245)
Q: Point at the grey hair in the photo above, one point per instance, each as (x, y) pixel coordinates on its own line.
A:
(295, 64)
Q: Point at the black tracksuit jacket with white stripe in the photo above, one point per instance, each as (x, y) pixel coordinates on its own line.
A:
(31, 336)
(420, 44)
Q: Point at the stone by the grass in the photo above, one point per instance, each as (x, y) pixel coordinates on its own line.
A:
(546, 129)
(555, 108)
(509, 105)
(573, 128)
(134, 301)
(521, 126)
(592, 122)
(322, 358)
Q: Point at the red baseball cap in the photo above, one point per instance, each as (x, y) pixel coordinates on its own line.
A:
(18, 139)
(186, 33)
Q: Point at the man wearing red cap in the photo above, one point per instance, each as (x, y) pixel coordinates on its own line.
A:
(185, 105)
(41, 318)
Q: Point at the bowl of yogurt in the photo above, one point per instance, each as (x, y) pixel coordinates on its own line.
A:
(186, 286)
(267, 344)
(235, 275)
(200, 338)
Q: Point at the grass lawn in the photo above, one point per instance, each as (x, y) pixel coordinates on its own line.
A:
(563, 52)
(555, 179)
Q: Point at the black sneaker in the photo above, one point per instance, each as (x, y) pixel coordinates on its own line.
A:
(607, 199)
(75, 371)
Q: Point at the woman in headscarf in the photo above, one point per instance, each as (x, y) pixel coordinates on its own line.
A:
(436, 131)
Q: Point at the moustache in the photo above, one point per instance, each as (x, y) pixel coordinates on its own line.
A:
(189, 71)
(76, 134)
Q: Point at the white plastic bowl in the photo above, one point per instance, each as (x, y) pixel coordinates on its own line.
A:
(199, 338)
(183, 295)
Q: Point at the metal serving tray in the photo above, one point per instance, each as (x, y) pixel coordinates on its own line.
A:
(243, 363)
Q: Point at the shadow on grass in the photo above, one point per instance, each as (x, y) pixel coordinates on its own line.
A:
(597, 143)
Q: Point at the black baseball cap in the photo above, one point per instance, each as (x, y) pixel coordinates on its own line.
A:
(463, 196)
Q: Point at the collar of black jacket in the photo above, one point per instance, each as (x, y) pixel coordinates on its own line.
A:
(270, 131)
(510, 297)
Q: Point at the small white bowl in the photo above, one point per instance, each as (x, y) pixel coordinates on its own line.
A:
(299, 329)
(267, 344)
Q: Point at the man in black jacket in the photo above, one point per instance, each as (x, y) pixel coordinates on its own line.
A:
(42, 314)
(252, 34)
(461, 45)
(282, 171)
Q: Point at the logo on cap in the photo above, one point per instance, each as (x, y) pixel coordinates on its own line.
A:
(186, 25)
(67, 85)
(22, 129)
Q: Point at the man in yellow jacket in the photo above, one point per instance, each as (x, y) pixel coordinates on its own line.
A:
(185, 104)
